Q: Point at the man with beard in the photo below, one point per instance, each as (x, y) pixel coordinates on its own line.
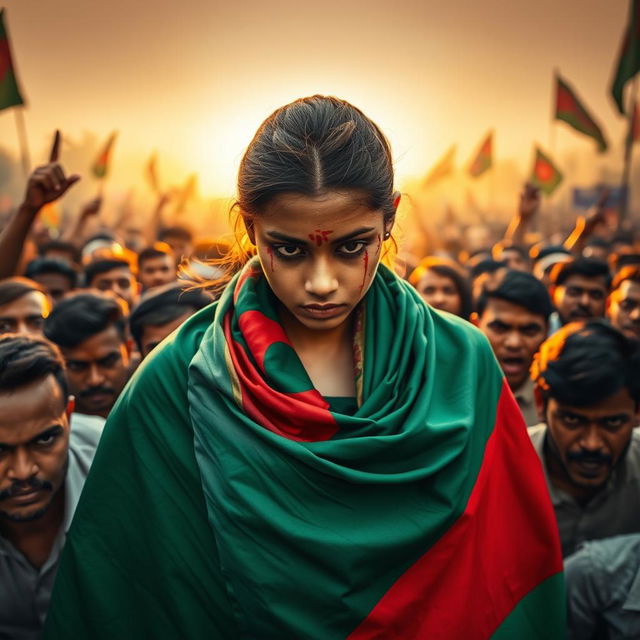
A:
(588, 392)
(623, 304)
(579, 290)
(514, 314)
(43, 466)
(90, 329)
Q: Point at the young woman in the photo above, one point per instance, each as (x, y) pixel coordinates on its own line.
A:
(318, 454)
(443, 285)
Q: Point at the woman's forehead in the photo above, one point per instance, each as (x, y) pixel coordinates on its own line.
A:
(332, 210)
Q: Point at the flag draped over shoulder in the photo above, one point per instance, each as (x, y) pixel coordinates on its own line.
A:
(483, 159)
(544, 174)
(229, 499)
(629, 57)
(10, 95)
(100, 167)
(443, 168)
(570, 109)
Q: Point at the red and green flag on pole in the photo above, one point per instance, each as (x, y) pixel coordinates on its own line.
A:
(483, 159)
(10, 95)
(629, 57)
(100, 167)
(570, 109)
(544, 174)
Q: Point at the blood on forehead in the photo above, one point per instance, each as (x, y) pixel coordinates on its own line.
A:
(320, 236)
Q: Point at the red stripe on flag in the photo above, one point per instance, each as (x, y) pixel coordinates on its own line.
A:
(502, 546)
(5, 58)
(303, 417)
(260, 333)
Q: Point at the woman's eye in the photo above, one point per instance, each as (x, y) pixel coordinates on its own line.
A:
(353, 247)
(47, 439)
(289, 251)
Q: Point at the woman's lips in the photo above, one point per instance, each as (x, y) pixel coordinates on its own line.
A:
(323, 310)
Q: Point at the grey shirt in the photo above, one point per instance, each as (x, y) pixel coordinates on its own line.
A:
(24, 590)
(612, 511)
(603, 589)
(526, 401)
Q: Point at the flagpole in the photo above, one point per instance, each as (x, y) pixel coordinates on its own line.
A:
(22, 140)
(628, 148)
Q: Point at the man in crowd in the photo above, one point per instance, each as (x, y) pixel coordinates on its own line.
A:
(623, 305)
(180, 239)
(43, 466)
(161, 311)
(515, 256)
(156, 266)
(23, 306)
(579, 290)
(588, 392)
(56, 277)
(113, 274)
(514, 314)
(90, 329)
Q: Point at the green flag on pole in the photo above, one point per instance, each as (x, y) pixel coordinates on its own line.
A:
(544, 174)
(572, 111)
(629, 58)
(10, 95)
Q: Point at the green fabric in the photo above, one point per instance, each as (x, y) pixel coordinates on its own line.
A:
(200, 519)
(9, 91)
(344, 405)
(629, 59)
(525, 621)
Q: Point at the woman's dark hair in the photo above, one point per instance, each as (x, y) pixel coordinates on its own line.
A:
(13, 288)
(446, 269)
(82, 315)
(582, 364)
(308, 147)
(25, 359)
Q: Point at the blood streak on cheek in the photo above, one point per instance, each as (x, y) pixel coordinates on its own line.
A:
(365, 260)
(270, 252)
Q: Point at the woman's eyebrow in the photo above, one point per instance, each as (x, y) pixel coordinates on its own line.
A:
(353, 234)
(285, 238)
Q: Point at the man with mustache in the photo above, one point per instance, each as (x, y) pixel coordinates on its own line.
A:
(43, 466)
(579, 290)
(623, 304)
(588, 394)
(90, 329)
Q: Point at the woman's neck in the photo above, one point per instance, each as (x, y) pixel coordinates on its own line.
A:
(327, 356)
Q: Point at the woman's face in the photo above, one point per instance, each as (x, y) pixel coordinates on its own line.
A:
(319, 254)
(440, 292)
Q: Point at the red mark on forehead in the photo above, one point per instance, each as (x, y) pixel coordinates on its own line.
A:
(320, 236)
(365, 260)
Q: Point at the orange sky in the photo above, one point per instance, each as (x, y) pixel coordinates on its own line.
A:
(194, 79)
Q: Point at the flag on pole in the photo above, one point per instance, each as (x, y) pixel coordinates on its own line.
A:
(629, 58)
(100, 167)
(483, 159)
(571, 110)
(10, 95)
(151, 173)
(545, 175)
(441, 169)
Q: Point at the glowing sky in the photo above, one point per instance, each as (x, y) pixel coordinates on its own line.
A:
(194, 79)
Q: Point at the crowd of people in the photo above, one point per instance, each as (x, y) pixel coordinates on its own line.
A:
(82, 314)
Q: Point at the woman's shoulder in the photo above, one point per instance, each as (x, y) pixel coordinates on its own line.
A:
(162, 375)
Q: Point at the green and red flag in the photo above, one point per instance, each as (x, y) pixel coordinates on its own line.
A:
(629, 57)
(10, 95)
(570, 109)
(441, 169)
(230, 499)
(483, 158)
(100, 167)
(545, 175)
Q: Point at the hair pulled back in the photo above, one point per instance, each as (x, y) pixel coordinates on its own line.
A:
(314, 145)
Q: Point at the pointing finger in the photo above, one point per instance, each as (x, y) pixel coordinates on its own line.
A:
(55, 149)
